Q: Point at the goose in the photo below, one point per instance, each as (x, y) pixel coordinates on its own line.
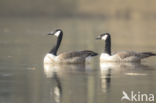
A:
(72, 57)
(123, 56)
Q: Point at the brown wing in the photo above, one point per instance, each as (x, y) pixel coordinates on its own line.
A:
(126, 54)
(81, 54)
(146, 54)
(141, 55)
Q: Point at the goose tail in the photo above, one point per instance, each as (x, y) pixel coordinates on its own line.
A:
(147, 54)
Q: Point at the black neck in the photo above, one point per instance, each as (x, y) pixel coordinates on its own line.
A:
(108, 46)
(56, 47)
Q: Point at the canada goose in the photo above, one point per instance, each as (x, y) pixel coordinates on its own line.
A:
(75, 57)
(123, 56)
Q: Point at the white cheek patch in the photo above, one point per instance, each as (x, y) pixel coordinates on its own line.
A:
(104, 37)
(57, 33)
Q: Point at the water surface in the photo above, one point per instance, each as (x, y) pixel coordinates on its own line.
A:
(24, 78)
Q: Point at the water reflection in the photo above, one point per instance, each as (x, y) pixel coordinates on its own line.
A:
(111, 70)
(73, 83)
(51, 69)
(123, 67)
(105, 78)
(64, 79)
(56, 90)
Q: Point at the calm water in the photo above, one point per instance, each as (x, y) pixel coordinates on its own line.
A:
(24, 78)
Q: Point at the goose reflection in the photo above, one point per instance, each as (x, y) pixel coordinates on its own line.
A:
(62, 70)
(111, 70)
(66, 80)
(54, 83)
(56, 89)
(105, 71)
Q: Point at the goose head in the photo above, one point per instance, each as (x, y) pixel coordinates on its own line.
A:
(57, 33)
(104, 36)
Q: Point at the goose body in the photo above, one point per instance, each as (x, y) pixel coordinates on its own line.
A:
(123, 56)
(73, 57)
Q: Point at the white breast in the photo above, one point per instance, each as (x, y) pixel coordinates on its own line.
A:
(106, 57)
(50, 58)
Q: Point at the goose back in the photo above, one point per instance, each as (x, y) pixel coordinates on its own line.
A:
(73, 54)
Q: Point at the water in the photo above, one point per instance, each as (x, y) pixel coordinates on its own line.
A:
(24, 78)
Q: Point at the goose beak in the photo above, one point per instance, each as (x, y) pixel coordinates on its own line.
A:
(98, 38)
(51, 33)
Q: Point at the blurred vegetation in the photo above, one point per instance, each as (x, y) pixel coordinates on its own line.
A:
(127, 9)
